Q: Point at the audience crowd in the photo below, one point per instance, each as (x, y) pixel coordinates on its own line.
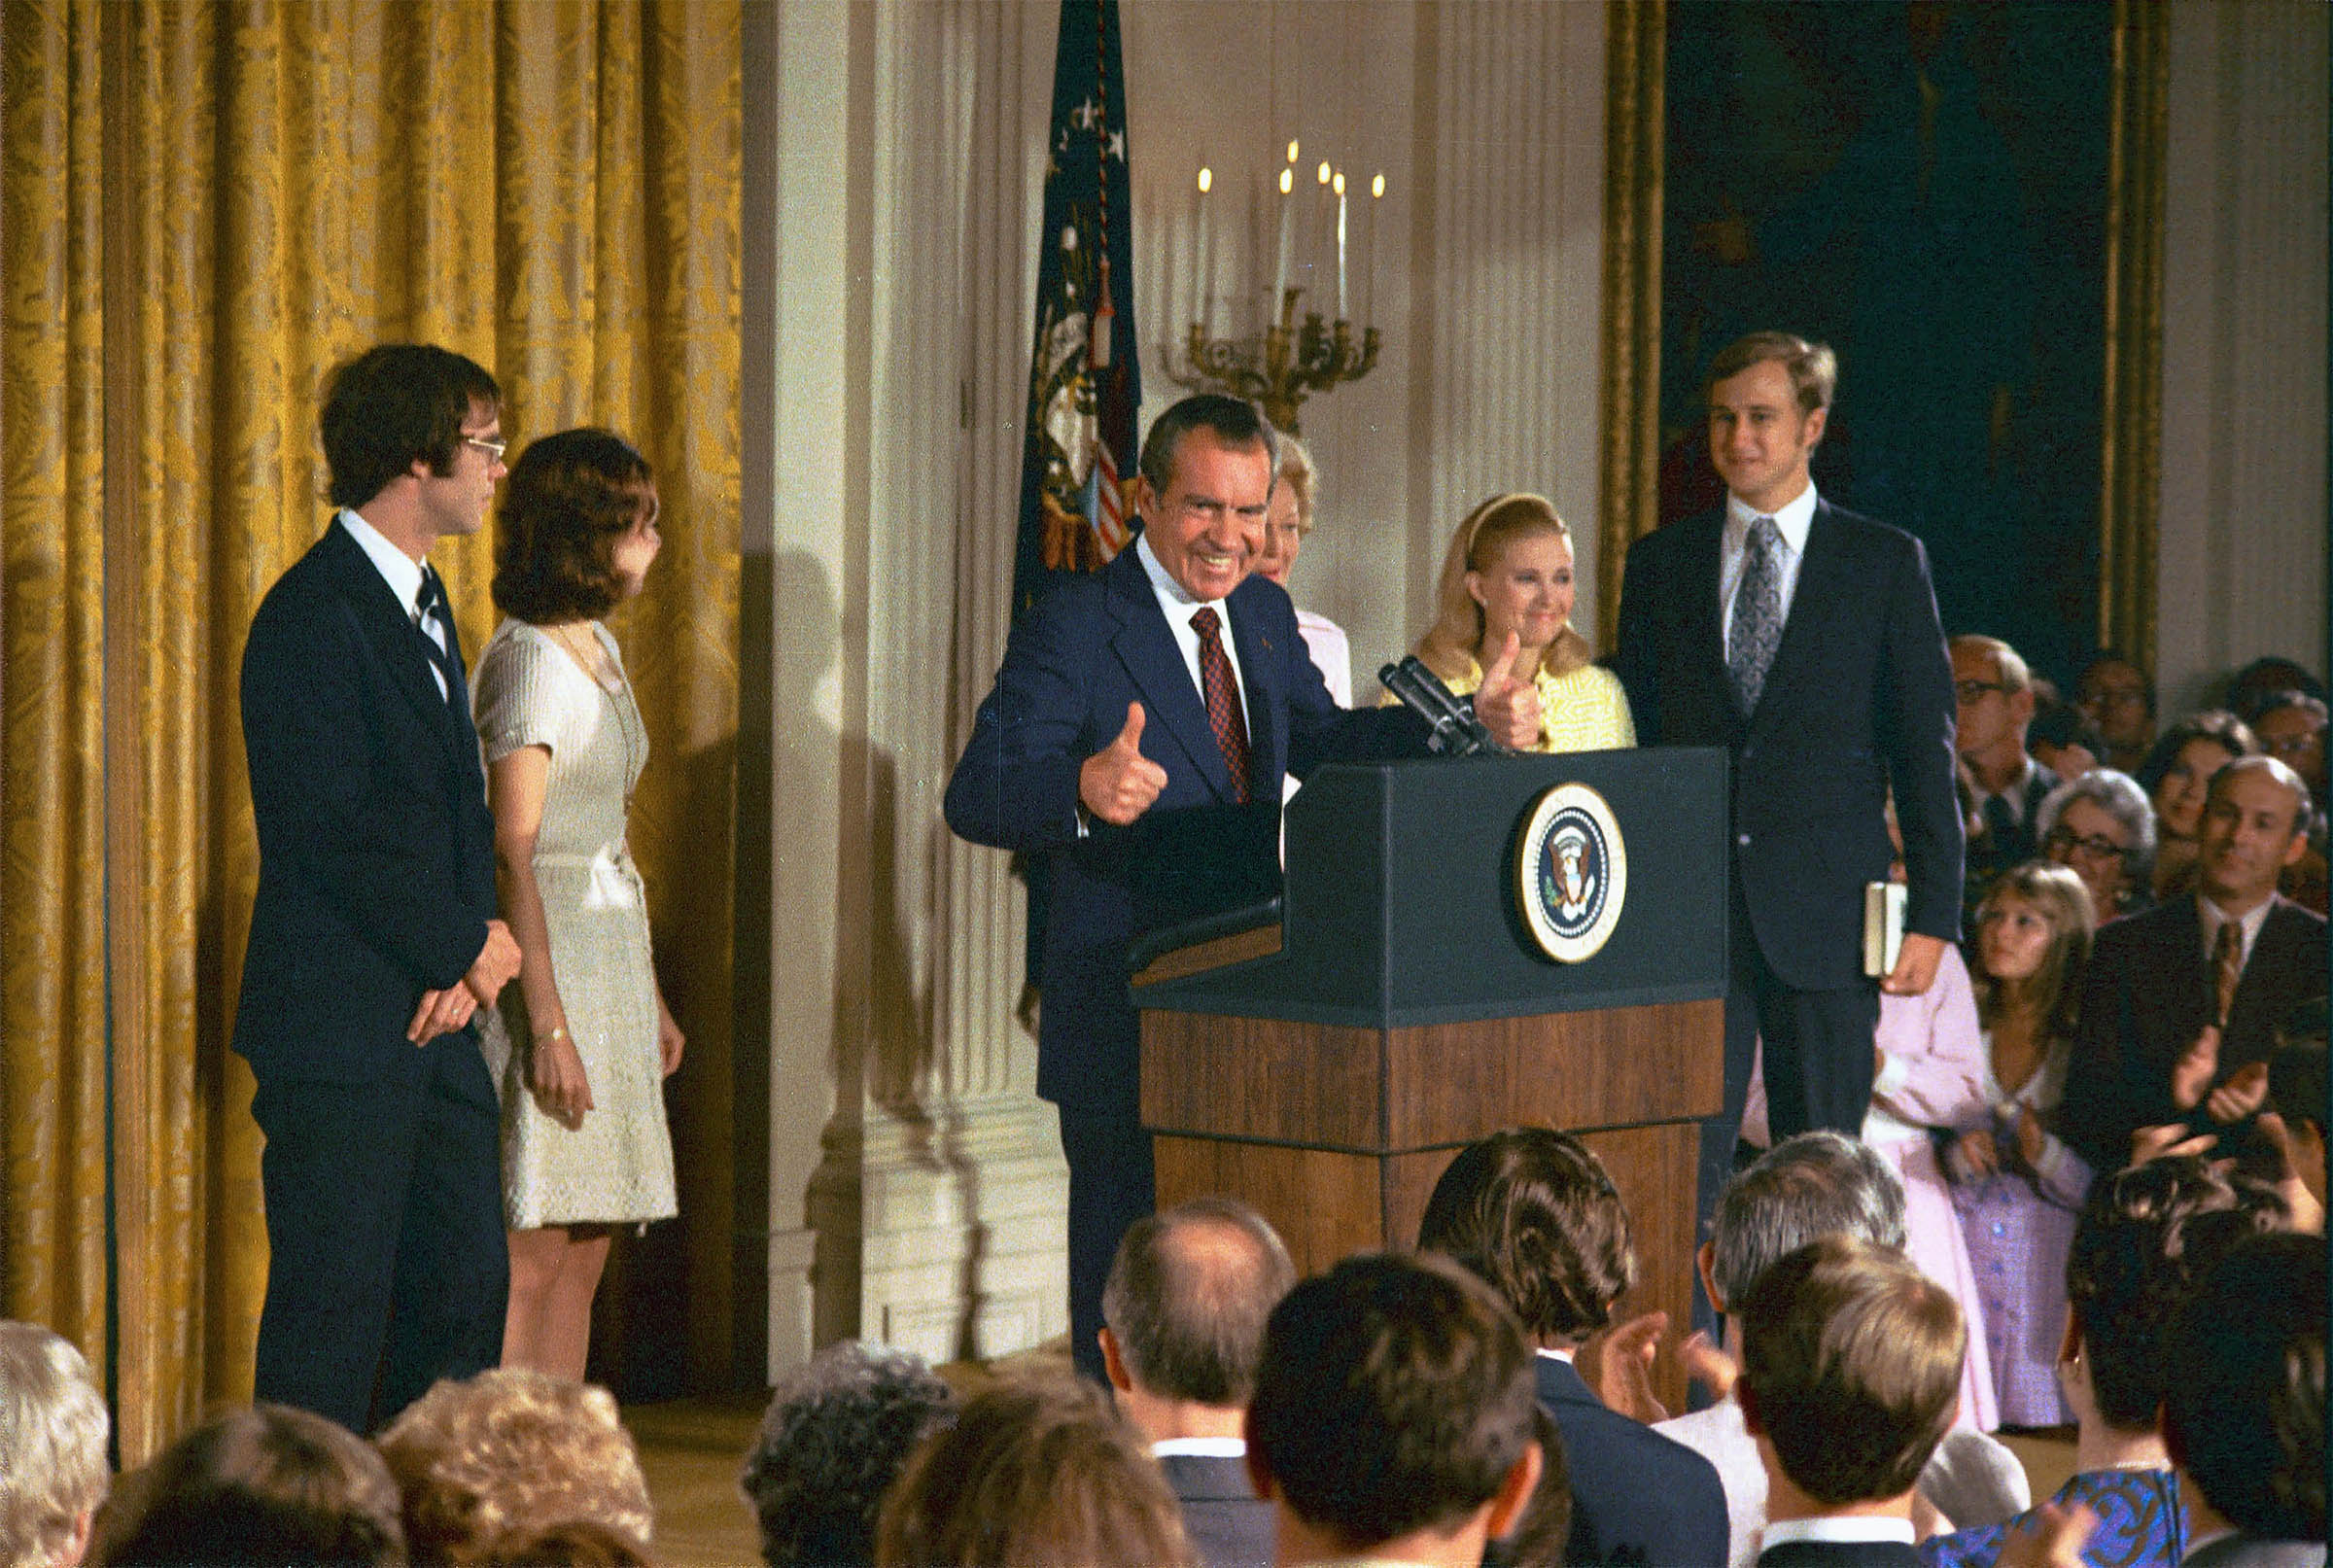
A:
(2107, 1127)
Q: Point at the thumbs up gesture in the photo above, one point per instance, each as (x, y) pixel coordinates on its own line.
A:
(1118, 783)
(1508, 703)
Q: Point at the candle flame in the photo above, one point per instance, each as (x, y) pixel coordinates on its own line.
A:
(1206, 180)
(1287, 181)
(1292, 152)
(1337, 184)
(1324, 171)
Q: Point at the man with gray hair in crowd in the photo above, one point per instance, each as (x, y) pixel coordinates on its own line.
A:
(1805, 1188)
(53, 1434)
(1183, 1316)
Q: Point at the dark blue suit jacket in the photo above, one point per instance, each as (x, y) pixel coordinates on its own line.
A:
(1637, 1497)
(1230, 1527)
(1090, 647)
(376, 851)
(1860, 697)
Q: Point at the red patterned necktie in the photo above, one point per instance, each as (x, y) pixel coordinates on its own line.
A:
(1223, 699)
(2227, 965)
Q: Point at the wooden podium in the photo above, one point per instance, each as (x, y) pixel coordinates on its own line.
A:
(1325, 1070)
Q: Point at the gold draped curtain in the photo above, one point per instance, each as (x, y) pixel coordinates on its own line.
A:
(203, 208)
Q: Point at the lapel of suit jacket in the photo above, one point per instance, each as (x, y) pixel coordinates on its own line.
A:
(1146, 647)
(1824, 582)
(2274, 954)
(1703, 550)
(394, 635)
(1261, 667)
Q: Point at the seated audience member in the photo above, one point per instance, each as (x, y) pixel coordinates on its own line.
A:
(570, 1544)
(2119, 698)
(1807, 1187)
(509, 1451)
(1507, 585)
(2143, 1237)
(52, 1432)
(1851, 1366)
(2101, 827)
(833, 1440)
(1532, 1213)
(1183, 1316)
(1286, 525)
(1031, 1474)
(2016, 1186)
(2243, 1414)
(1541, 1535)
(1393, 1417)
(2290, 726)
(264, 1488)
(2062, 740)
(2176, 777)
(2000, 784)
(2251, 687)
(2180, 1006)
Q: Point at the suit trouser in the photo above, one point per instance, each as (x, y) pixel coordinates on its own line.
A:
(1112, 1184)
(1817, 1062)
(388, 1259)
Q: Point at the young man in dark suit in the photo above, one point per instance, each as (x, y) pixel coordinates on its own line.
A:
(1137, 737)
(1804, 640)
(1393, 1418)
(1851, 1371)
(1184, 1314)
(373, 938)
(2180, 1004)
(1533, 1213)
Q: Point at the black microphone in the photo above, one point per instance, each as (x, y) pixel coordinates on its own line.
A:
(1456, 731)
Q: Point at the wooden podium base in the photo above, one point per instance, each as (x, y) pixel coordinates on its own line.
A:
(1337, 1135)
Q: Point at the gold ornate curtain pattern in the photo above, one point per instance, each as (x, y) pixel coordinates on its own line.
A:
(203, 208)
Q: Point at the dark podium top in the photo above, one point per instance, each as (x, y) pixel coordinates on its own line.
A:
(1401, 909)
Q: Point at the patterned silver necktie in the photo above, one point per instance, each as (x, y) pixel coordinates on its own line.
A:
(1756, 627)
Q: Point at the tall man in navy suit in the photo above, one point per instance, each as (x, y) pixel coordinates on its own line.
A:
(373, 938)
(1137, 736)
(1804, 640)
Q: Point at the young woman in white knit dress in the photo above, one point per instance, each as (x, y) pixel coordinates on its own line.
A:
(581, 1046)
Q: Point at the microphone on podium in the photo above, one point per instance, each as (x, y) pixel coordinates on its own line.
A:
(1456, 731)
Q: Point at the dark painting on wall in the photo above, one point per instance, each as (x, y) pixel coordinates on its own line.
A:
(1924, 187)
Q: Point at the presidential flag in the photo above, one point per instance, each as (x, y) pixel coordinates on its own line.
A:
(1077, 456)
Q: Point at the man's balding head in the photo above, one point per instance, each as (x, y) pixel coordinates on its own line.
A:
(1187, 1299)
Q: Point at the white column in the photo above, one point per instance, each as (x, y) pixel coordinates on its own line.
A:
(2240, 569)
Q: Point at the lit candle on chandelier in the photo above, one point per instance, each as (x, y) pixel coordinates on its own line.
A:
(1368, 255)
(1325, 225)
(1201, 265)
(1279, 271)
(1338, 183)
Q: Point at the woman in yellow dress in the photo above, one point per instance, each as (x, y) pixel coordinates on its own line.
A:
(1509, 570)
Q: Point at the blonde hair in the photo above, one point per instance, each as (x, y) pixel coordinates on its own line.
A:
(1449, 647)
(52, 1431)
(2064, 901)
(1299, 477)
(511, 1450)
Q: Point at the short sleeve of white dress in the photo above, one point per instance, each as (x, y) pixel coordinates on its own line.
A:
(617, 1167)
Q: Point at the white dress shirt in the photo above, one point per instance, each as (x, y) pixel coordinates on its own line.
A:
(403, 573)
(1838, 1527)
(2212, 918)
(1178, 607)
(1792, 522)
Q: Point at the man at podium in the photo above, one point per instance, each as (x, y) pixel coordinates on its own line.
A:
(1804, 640)
(1137, 735)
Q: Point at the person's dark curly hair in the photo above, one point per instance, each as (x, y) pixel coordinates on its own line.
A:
(2217, 725)
(836, 1435)
(568, 498)
(2144, 1237)
(1533, 1213)
(391, 407)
